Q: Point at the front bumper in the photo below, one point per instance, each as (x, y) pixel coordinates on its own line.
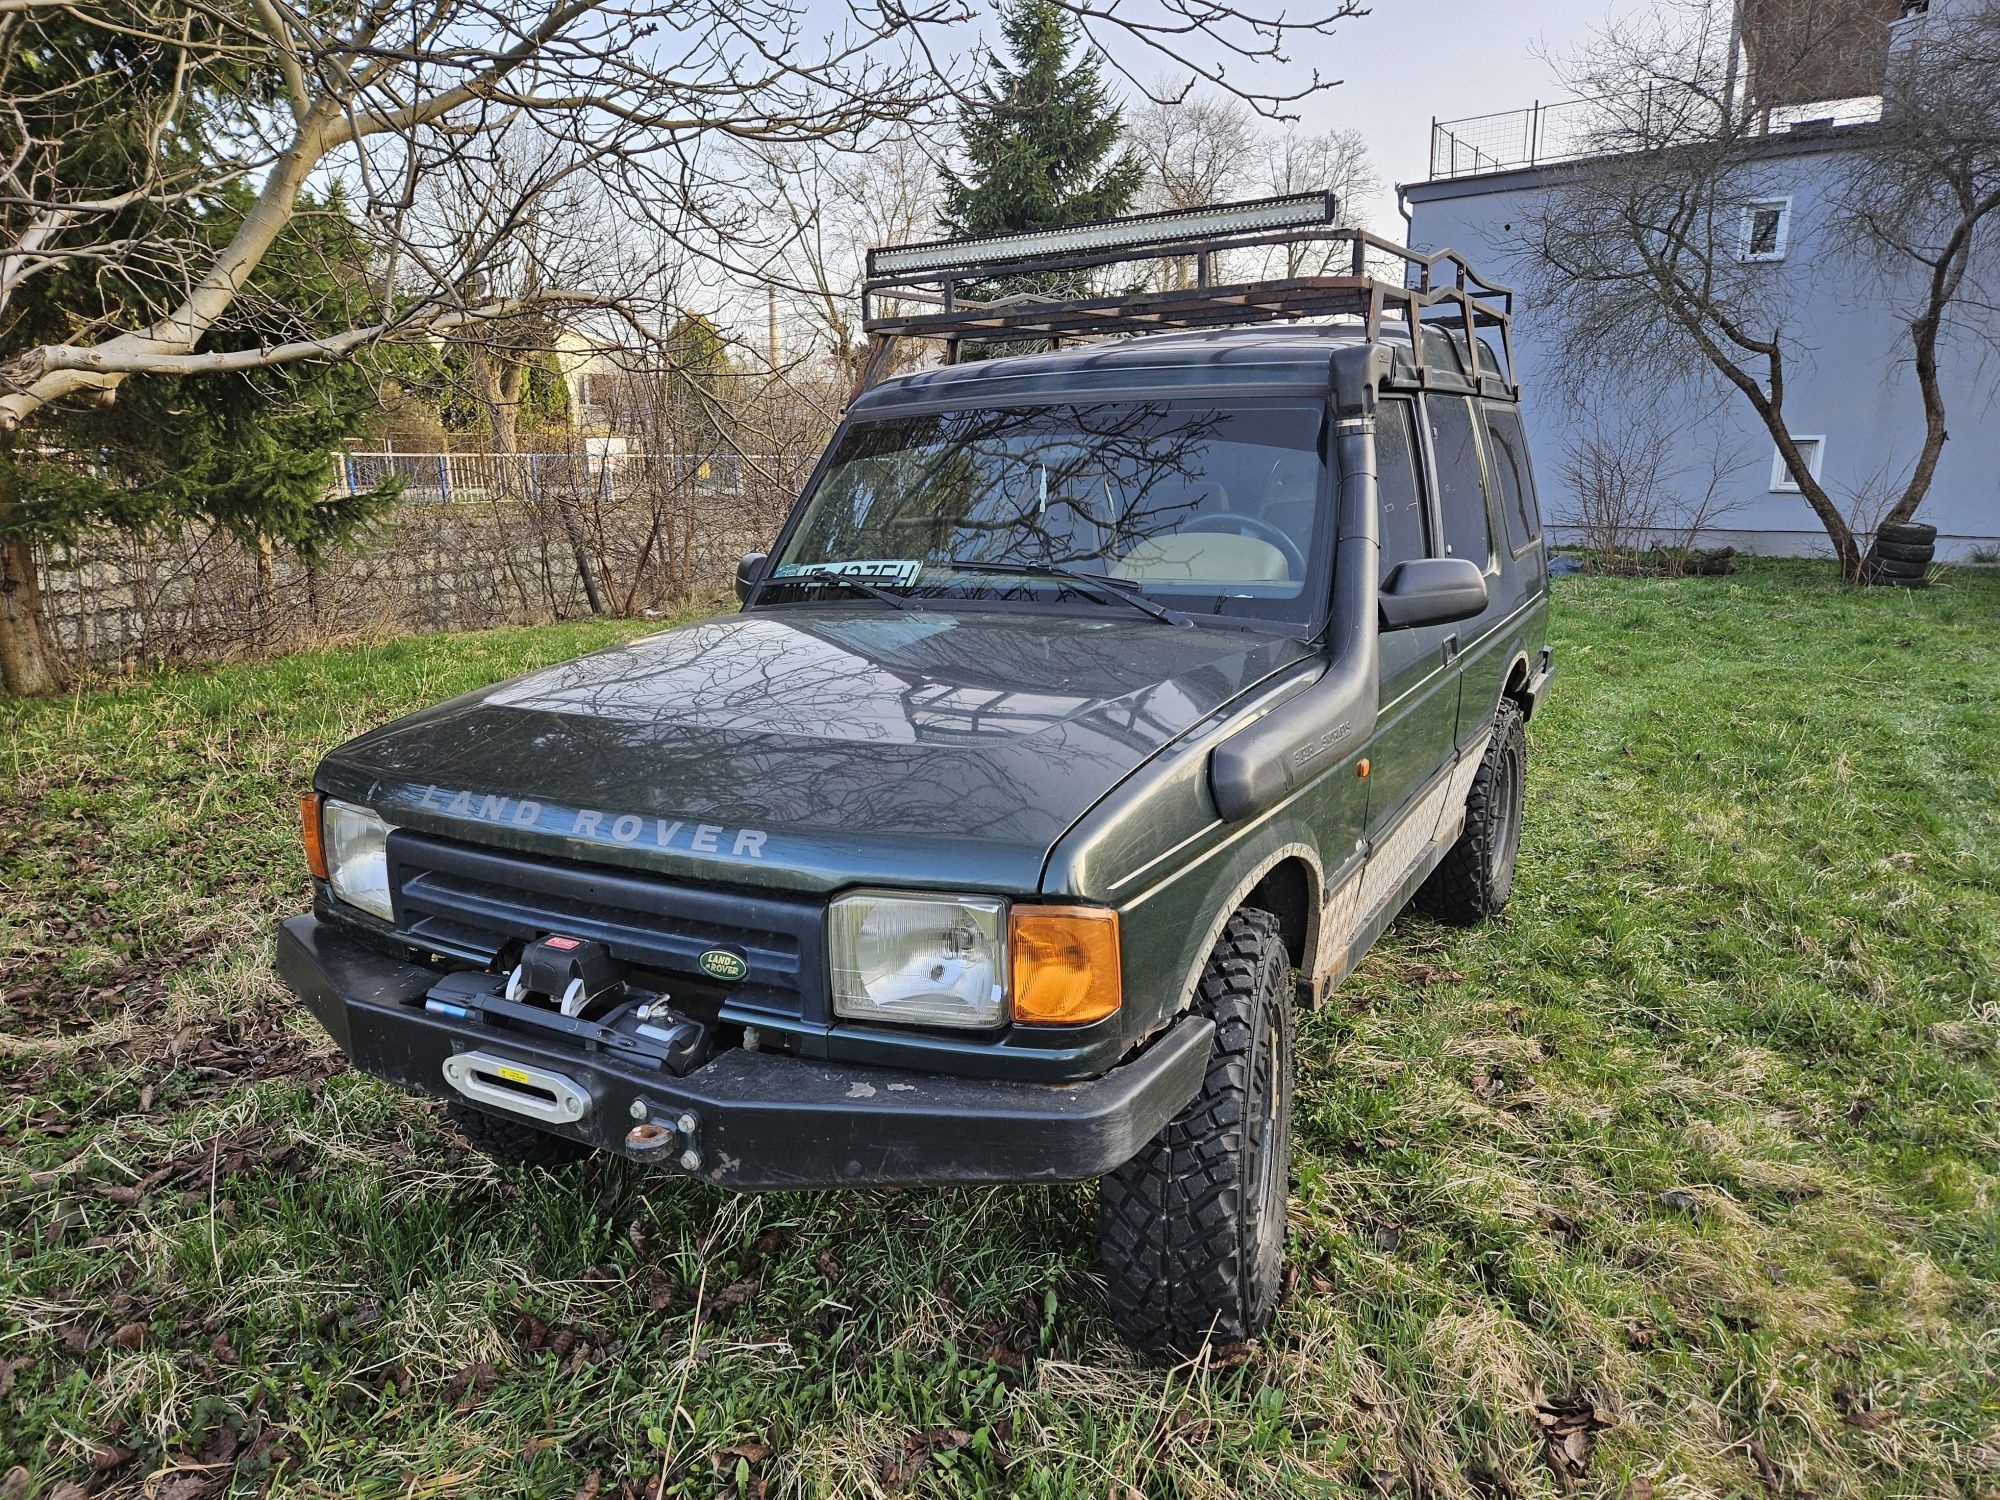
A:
(761, 1120)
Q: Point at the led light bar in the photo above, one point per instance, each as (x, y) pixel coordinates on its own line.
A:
(1133, 237)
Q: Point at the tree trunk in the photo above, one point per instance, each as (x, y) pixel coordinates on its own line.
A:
(1769, 404)
(267, 593)
(1924, 341)
(27, 665)
(500, 393)
(1946, 279)
(513, 388)
(500, 390)
(1846, 548)
(573, 533)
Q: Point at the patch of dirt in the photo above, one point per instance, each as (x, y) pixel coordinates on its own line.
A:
(214, 1054)
(1569, 1426)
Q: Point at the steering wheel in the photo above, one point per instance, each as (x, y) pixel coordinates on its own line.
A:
(1235, 523)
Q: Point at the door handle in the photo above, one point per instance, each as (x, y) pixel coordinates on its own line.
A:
(1450, 649)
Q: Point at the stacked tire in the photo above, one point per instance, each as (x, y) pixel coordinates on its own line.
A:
(1901, 556)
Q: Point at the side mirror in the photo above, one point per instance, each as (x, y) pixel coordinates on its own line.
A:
(1432, 591)
(749, 572)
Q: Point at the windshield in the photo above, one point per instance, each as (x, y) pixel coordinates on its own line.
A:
(1202, 510)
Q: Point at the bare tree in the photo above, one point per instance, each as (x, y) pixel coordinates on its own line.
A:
(1204, 148)
(1618, 476)
(1196, 149)
(475, 212)
(1921, 204)
(1640, 498)
(238, 112)
(1641, 260)
(829, 208)
(390, 96)
(1295, 161)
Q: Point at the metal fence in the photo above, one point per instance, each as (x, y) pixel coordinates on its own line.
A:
(1571, 129)
(1512, 138)
(447, 477)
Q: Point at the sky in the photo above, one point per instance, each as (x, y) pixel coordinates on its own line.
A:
(1411, 60)
(1399, 65)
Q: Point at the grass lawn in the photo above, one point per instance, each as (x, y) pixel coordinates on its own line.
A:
(1678, 1180)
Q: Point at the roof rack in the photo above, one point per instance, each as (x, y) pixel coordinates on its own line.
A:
(1440, 290)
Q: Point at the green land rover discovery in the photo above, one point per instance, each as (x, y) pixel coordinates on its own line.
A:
(1094, 709)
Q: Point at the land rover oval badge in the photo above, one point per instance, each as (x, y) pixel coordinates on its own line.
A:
(720, 963)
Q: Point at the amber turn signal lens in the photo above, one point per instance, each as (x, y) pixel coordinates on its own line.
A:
(1064, 963)
(315, 846)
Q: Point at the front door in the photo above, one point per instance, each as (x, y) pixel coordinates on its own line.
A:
(1466, 525)
(1412, 743)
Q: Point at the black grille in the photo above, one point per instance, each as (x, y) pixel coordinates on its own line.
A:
(474, 903)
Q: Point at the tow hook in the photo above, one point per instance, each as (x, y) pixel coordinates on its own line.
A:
(648, 1137)
(651, 1136)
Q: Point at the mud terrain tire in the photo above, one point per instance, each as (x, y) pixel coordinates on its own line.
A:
(1192, 1229)
(508, 1140)
(1474, 879)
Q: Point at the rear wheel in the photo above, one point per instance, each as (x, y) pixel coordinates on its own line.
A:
(512, 1140)
(1474, 880)
(1192, 1229)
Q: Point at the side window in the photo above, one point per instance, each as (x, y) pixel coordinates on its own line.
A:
(1507, 451)
(1461, 493)
(1402, 499)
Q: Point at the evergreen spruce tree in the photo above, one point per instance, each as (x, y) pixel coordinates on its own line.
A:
(1042, 144)
(250, 452)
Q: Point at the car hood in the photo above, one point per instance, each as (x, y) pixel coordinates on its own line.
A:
(812, 748)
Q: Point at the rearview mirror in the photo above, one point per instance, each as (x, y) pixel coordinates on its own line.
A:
(749, 573)
(1432, 591)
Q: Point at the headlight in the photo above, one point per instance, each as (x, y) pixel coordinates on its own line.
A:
(927, 960)
(357, 856)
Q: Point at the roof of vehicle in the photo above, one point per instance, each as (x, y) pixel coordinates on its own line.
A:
(1263, 357)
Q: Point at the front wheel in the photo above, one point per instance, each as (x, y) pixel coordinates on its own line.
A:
(1473, 881)
(1192, 1229)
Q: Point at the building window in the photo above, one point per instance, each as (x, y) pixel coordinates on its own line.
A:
(1810, 449)
(1767, 225)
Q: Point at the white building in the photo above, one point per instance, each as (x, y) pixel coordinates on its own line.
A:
(1852, 400)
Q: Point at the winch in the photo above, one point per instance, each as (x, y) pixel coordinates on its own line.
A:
(575, 988)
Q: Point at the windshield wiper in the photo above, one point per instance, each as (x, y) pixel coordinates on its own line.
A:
(1090, 583)
(859, 585)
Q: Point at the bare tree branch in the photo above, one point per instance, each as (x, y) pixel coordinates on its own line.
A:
(395, 108)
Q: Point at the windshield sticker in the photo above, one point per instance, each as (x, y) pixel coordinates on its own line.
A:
(897, 570)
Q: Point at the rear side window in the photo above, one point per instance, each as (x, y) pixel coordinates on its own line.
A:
(1461, 493)
(1507, 449)
(1396, 483)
